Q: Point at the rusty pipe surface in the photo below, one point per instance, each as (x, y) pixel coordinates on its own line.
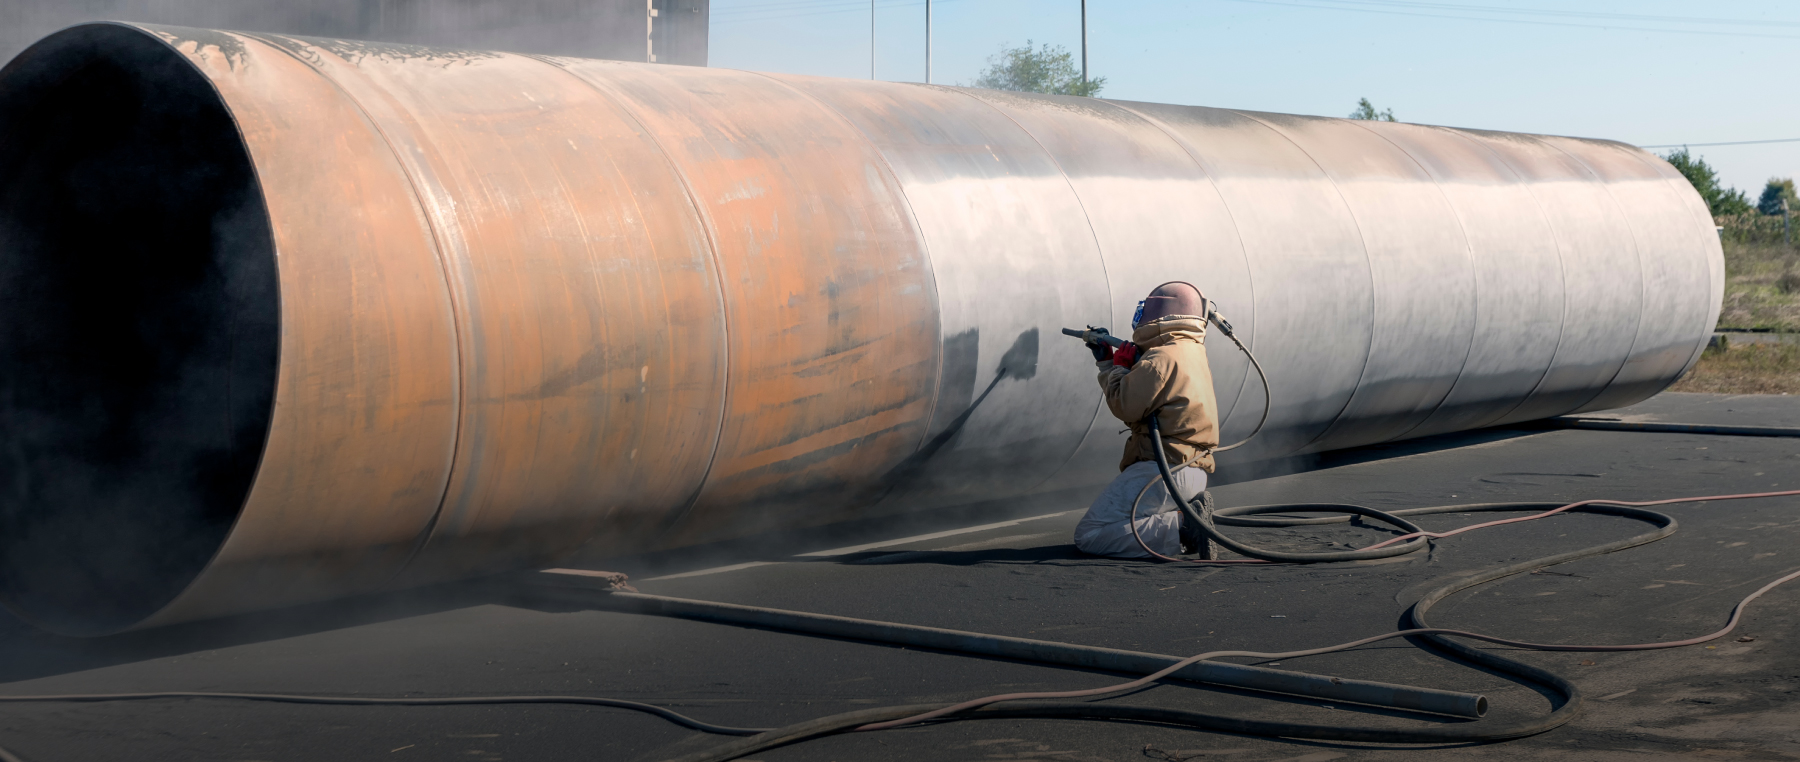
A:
(292, 318)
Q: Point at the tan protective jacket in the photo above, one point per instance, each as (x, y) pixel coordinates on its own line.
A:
(1171, 378)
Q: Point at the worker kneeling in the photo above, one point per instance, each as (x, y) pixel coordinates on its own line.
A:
(1162, 371)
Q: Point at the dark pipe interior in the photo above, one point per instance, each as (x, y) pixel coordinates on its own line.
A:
(138, 327)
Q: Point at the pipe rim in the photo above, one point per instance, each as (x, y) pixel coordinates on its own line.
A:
(139, 337)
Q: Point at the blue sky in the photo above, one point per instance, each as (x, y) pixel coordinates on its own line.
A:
(1645, 72)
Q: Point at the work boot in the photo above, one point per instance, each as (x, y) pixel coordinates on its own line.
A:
(1193, 541)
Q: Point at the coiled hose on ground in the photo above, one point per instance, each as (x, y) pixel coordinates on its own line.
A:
(1567, 698)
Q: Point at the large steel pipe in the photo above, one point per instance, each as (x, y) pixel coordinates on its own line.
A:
(293, 318)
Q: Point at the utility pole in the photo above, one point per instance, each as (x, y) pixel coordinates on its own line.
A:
(649, 31)
(871, 39)
(1083, 41)
(1786, 227)
(927, 42)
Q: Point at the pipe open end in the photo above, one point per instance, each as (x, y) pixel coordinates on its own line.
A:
(139, 327)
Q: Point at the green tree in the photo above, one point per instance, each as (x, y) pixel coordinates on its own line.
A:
(1366, 112)
(1721, 200)
(1779, 189)
(1045, 69)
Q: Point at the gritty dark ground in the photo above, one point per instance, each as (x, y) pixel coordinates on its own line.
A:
(1736, 700)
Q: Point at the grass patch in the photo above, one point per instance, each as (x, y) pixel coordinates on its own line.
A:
(1745, 369)
(1762, 286)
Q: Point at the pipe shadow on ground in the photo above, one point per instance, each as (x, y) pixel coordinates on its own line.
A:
(27, 653)
(783, 545)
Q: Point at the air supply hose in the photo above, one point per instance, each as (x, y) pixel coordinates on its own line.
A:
(1216, 318)
(1413, 541)
(1414, 538)
(1100, 336)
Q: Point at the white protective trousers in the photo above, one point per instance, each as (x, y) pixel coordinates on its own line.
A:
(1106, 529)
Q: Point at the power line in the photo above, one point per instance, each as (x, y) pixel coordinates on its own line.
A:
(779, 4)
(1636, 17)
(782, 10)
(1733, 143)
(1609, 27)
(800, 8)
(804, 7)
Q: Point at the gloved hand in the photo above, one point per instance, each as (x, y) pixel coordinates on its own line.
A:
(1125, 356)
(1101, 351)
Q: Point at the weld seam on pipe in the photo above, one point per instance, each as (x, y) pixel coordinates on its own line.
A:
(1403, 697)
(1602, 424)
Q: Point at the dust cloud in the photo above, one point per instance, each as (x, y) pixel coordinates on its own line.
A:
(614, 29)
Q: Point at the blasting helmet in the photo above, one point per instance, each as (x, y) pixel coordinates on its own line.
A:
(1173, 298)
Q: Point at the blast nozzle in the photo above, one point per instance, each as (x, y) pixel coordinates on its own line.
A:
(1095, 336)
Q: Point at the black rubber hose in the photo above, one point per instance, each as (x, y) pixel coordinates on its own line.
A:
(1567, 697)
(667, 714)
(1268, 398)
(1212, 533)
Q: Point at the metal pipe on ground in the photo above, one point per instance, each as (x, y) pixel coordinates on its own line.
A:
(284, 318)
(597, 592)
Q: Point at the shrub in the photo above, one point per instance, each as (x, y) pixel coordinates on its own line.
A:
(1789, 283)
(1045, 69)
(1778, 190)
(1722, 200)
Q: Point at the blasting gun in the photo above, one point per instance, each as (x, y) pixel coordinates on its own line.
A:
(1095, 336)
